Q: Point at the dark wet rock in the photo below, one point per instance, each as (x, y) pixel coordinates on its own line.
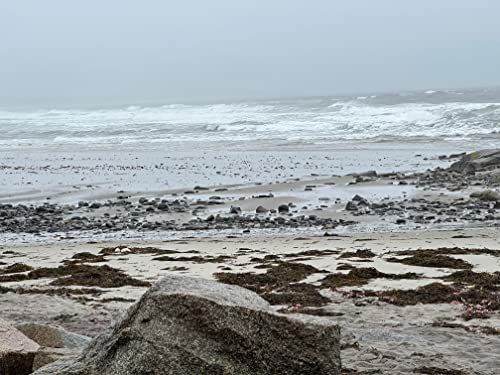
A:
(351, 206)
(261, 210)
(235, 210)
(17, 352)
(488, 195)
(283, 208)
(479, 160)
(163, 206)
(359, 199)
(194, 326)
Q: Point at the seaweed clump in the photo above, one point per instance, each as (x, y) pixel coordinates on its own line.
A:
(361, 276)
(433, 260)
(279, 285)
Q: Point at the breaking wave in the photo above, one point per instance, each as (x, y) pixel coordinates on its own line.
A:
(313, 121)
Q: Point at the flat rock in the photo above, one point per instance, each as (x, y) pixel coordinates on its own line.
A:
(184, 325)
(17, 351)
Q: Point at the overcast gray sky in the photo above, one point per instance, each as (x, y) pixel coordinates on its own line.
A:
(62, 52)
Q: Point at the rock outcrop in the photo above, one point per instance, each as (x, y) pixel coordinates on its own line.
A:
(184, 325)
(17, 351)
(478, 160)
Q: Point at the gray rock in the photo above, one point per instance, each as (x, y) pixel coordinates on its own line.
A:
(488, 195)
(235, 210)
(17, 351)
(55, 337)
(261, 210)
(193, 326)
(283, 208)
(47, 355)
(56, 343)
(478, 160)
(351, 206)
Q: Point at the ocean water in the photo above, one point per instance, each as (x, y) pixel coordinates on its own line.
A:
(456, 117)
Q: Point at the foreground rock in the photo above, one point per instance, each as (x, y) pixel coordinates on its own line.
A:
(17, 352)
(55, 343)
(188, 326)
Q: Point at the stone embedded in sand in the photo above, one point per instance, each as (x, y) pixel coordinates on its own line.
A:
(17, 351)
(192, 326)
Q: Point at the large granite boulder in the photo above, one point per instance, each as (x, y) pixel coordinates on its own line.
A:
(17, 352)
(478, 160)
(186, 326)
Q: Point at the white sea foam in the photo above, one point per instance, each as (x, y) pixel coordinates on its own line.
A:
(374, 118)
